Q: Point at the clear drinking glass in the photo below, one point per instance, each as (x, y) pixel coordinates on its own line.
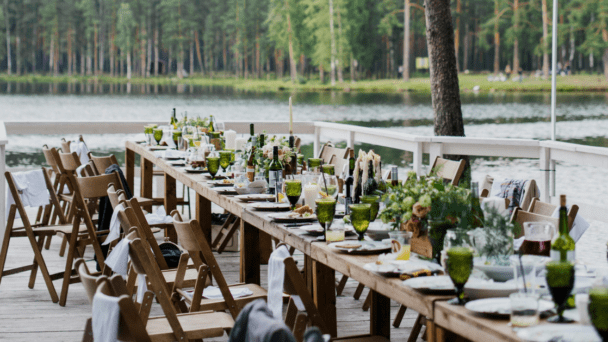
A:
(524, 309)
(400, 241)
(328, 184)
(334, 234)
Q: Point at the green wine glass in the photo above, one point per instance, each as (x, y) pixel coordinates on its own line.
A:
(213, 165)
(374, 201)
(314, 163)
(598, 310)
(177, 135)
(326, 209)
(158, 135)
(328, 169)
(225, 157)
(359, 217)
(300, 159)
(459, 267)
(149, 132)
(560, 279)
(293, 190)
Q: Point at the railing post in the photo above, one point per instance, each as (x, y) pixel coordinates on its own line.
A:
(317, 141)
(351, 140)
(3, 142)
(436, 150)
(418, 159)
(545, 167)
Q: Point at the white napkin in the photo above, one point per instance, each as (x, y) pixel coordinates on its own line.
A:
(160, 216)
(114, 225)
(34, 192)
(276, 277)
(171, 154)
(579, 226)
(142, 287)
(118, 259)
(168, 138)
(106, 318)
(82, 151)
(79, 170)
(214, 292)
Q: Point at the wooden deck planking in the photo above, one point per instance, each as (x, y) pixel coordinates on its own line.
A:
(29, 315)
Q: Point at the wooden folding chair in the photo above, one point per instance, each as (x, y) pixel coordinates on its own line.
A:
(547, 209)
(41, 231)
(59, 184)
(449, 170)
(520, 216)
(328, 151)
(529, 192)
(228, 229)
(194, 242)
(190, 326)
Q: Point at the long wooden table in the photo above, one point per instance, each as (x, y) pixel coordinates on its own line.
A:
(321, 262)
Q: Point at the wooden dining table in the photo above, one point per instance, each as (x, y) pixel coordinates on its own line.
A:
(320, 260)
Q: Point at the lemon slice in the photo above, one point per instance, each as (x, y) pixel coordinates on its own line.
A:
(197, 143)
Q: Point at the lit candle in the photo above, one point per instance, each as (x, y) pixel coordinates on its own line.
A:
(290, 118)
(230, 136)
(240, 144)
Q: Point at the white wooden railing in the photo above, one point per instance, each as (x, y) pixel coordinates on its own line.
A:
(547, 152)
(3, 142)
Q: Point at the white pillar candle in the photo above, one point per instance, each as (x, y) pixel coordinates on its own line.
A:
(290, 117)
(230, 136)
(240, 144)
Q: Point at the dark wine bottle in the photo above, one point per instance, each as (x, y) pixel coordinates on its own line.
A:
(294, 158)
(275, 173)
(395, 176)
(348, 184)
(563, 247)
(371, 185)
(262, 136)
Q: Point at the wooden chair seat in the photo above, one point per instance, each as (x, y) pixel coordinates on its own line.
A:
(220, 304)
(195, 326)
(189, 279)
(59, 229)
(144, 202)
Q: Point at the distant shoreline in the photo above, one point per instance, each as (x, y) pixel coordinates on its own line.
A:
(575, 83)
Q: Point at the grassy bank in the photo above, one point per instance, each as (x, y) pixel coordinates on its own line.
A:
(576, 83)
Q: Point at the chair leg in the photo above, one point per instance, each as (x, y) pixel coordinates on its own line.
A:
(39, 215)
(292, 312)
(47, 245)
(300, 326)
(235, 226)
(399, 316)
(88, 331)
(68, 268)
(35, 264)
(341, 285)
(416, 329)
(64, 242)
(358, 291)
(368, 301)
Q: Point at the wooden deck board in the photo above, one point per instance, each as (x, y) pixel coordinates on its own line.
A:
(29, 315)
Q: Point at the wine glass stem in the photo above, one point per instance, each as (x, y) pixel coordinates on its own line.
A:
(460, 294)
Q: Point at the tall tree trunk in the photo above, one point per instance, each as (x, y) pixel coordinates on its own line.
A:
(113, 47)
(96, 51)
(142, 50)
(572, 47)
(340, 58)
(149, 48)
(156, 57)
(224, 53)
(322, 74)
(198, 51)
(89, 58)
(69, 38)
(191, 54)
(34, 47)
(102, 39)
(51, 55)
(56, 52)
(353, 69)
(406, 42)
(129, 64)
(18, 50)
(516, 38)
(545, 44)
(82, 62)
(292, 63)
(605, 62)
(496, 40)
(465, 52)
(170, 61)
(457, 32)
(9, 66)
(445, 90)
(302, 64)
(258, 66)
(333, 43)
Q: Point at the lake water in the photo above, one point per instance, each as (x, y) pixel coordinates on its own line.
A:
(582, 118)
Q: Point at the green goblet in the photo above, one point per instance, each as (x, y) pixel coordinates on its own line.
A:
(300, 159)
(176, 138)
(359, 217)
(598, 310)
(560, 278)
(374, 201)
(225, 157)
(328, 169)
(293, 191)
(326, 208)
(213, 165)
(459, 267)
(314, 163)
(158, 135)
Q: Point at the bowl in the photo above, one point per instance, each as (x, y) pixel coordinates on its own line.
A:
(242, 191)
(378, 231)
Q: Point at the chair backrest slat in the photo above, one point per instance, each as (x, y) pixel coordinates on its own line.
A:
(449, 170)
(97, 186)
(101, 163)
(138, 219)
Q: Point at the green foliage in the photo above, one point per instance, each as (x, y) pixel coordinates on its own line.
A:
(498, 232)
(125, 26)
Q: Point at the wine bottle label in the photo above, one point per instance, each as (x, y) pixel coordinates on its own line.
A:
(251, 173)
(556, 255)
(273, 178)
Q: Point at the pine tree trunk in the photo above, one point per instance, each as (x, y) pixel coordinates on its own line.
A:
(198, 51)
(224, 53)
(82, 62)
(322, 74)
(113, 48)
(496, 40)
(406, 42)
(18, 51)
(191, 54)
(96, 51)
(445, 90)
(149, 48)
(333, 43)
(292, 63)
(258, 66)
(142, 51)
(465, 52)
(89, 58)
(180, 62)
(69, 51)
(129, 65)
(516, 40)
(170, 61)
(353, 69)
(545, 40)
(339, 60)
(34, 47)
(9, 66)
(156, 51)
(605, 62)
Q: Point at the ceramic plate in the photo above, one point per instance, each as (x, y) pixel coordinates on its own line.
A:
(256, 198)
(437, 284)
(393, 268)
(559, 332)
(477, 288)
(501, 306)
(225, 191)
(158, 148)
(221, 182)
(270, 206)
(361, 247)
(178, 163)
(286, 218)
(191, 170)
(317, 230)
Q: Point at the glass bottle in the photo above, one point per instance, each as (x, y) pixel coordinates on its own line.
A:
(563, 247)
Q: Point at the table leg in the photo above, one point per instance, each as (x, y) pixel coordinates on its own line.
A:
(147, 174)
(324, 295)
(380, 315)
(170, 205)
(130, 168)
(431, 331)
(250, 254)
(203, 215)
(265, 247)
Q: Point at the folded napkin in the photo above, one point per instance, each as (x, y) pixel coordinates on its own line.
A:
(579, 226)
(82, 151)
(276, 277)
(114, 225)
(118, 259)
(213, 292)
(106, 318)
(32, 188)
(158, 217)
(171, 154)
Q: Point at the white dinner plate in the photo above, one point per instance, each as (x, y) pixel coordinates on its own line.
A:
(270, 206)
(361, 247)
(442, 284)
(393, 268)
(221, 182)
(501, 306)
(286, 218)
(256, 198)
(225, 191)
(559, 332)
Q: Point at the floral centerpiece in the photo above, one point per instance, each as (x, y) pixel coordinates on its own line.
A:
(263, 156)
(194, 122)
(427, 207)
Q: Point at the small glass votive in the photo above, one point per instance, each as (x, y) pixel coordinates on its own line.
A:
(334, 234)
(524, 309)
